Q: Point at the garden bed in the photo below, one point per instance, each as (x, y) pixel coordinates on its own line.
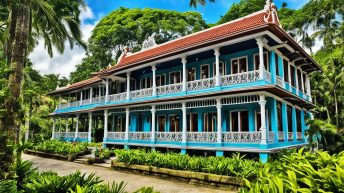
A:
(221, 181)
(70, 157)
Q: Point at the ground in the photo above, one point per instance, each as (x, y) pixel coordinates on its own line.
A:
(134, 181)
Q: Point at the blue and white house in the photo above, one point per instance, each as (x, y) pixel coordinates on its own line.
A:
(242, 86)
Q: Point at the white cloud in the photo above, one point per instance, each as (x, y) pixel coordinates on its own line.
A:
(65, 63)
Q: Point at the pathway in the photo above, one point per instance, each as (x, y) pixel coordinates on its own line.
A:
(134, 181)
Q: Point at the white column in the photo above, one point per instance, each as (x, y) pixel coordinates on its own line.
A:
(302, 83)
(262, 103)
(127, 116)
(184, 122)
(76, 128)
(154, 80)
(297, 79)
(217, 67)
(128, 85)
(308, 82)
(184, 73)
(105, 125)
(107, 90)
(68, 100)
(289, 75)
(153, 110)
(67, 125)
(219, 120)
(91, 94)
(54, 124)
(261, 57)
(80, 98)
(89, 134)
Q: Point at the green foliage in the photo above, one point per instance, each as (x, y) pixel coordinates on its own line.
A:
(8, 186)
(130, 27)
(60, 147)
(301, 172)
(103, 153)
(234, 166)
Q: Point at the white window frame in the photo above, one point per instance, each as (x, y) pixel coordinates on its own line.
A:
(268, 62)
(191, 113)
(266, 119)
(193, 68)
(238, 58)
(200, 72)
(180, 75)
(239, 117)
(204, 121)
(223, 67)
(169, 121)
(160, 75)
(157, 122)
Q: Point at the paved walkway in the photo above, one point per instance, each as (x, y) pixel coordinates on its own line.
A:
(134, 181)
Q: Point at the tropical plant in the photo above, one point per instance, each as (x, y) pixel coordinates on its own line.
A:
(60, 147)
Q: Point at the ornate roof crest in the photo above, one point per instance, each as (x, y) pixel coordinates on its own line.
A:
(271, 13)
(149, 42)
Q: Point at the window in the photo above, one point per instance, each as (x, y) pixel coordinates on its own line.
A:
(299, 79)
(266, 61)
(175, 77)
(160, 80)
(222, 68)
(290, 118)
(276, 63)
(304, 82)
(140, 122)
(286, 70)
(132, 84)
(161, 123)
(191, 74)
(292, 76)
(279, 115)
(239, 65)
(204, 71)
(210, 122)
(239, 121)
(174, 123)
(298, 120)
(146, 82)
(192, 121)
(119, 123)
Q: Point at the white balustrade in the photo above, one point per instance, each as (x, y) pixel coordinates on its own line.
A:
(281, 136)
(118, 97)
(59, 135)
(271, 137)
(242, 137)
(140, 136)
(70, 134)
(279, 81)
(267, 75)
(239, 78)
(290, 136)
(299, 135)
(202, 137)
(75, 104)
(201, 84)
(141, 93)
(95, 100)
(62, 106)
(169, 89)
(102, 99)
(116, 135)
(86, 102)
(169, 136)
(83, 135)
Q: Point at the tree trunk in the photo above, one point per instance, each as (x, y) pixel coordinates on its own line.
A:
(11, 119)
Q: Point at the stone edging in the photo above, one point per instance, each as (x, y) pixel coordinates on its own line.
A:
(53, 155)
(224, 182)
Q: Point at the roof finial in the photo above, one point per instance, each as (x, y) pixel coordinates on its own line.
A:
(267, 5)
(149, 42)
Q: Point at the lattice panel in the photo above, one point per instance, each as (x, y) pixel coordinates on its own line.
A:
(240, 99)
(201, 103)
(169, 106)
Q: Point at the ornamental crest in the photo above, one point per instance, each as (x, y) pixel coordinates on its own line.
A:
(149, 42)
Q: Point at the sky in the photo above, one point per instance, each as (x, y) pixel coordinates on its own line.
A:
(95, 10)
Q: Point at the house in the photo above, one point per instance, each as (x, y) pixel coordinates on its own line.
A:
(241, 86)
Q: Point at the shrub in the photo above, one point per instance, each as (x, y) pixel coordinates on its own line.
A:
(234, 166)
(60, 147)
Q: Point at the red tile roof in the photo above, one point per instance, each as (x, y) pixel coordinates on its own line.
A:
(76, 85)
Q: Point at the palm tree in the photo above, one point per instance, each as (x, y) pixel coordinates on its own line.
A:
(194, 3)
(317, 130)
(55, 21)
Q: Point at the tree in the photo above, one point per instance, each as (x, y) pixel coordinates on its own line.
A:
(28, 20)
(129, 28)
(194, 3)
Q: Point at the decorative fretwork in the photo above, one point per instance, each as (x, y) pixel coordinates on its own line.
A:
(169, 106)
(116, 135)
(117, 97)
(271, 137)
(59, 135)
(86, 102)
(299, 135)
(201, 103)
(240, 78)
(279, 81)
(240, 99)
(146, 136)
(169, 89)
(281, 136)
(141, 93)
(95, 100)
(102, 99)
(290, 136)
(202, 137)
(70, 134)
(242, 137)
(75, 104)
(267, 75)
(201, 84)
(169, 136)
(83, 135)
(140, 108)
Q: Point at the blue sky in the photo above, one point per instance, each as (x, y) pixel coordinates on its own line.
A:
(211, 12)
(65, 63)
